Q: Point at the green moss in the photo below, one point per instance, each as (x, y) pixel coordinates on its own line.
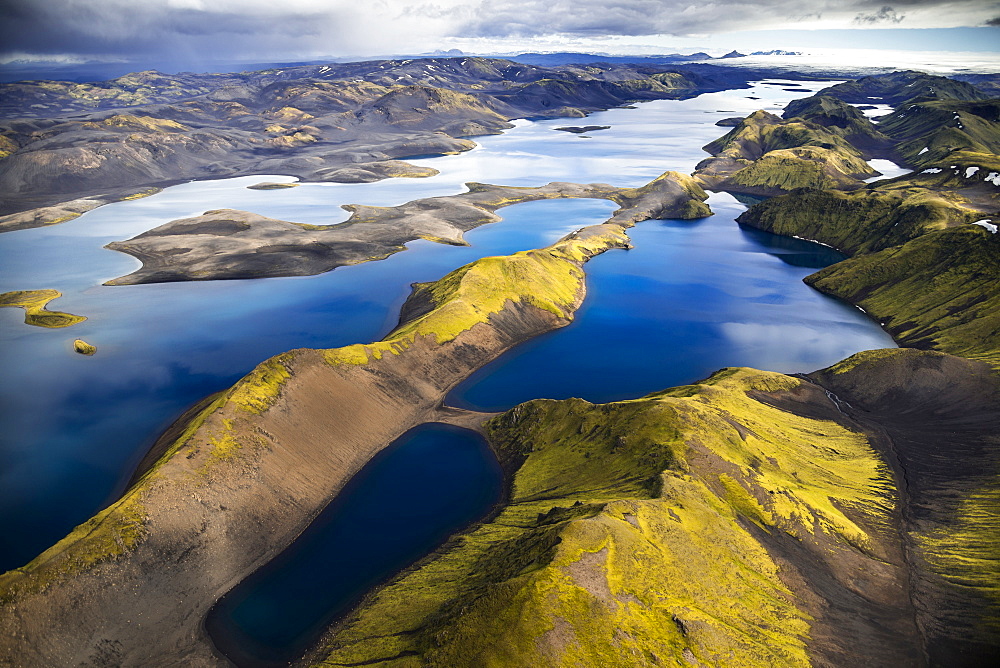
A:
(670, 195)
(259, 389)
(145, 192)
(761, 132)
(803, 167)
(7, 146)
(966, 553)
(33, 302)
(549, 278)
(84, 348)
(408, 171)
(620, 544)
(61, 219)
(106, 536)
(837, 117)
(745, 504)
(943, 126)
(940, 291)
(957, 169)
(192, 428)
(442, 240)
(862, 221)
(767, 155)
(897, 87)
(863, 359)
(147, 123)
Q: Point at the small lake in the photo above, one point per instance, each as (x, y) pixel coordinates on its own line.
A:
(431, 482)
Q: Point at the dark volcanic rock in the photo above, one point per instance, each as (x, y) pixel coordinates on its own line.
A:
(580, 129)
(150, 129)
(937, 420)
(730, 122)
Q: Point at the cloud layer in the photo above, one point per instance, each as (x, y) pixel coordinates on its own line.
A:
(179, 31)
(686, 17)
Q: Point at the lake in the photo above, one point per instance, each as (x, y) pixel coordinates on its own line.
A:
(691, 297)
(433, 480)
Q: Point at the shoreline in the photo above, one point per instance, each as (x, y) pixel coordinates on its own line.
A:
(233, 244)
(204, 519)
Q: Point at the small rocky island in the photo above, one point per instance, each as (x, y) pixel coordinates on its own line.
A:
(580, 129)
(34, 303)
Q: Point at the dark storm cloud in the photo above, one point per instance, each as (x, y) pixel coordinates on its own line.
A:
(994, 21)
(187, 30)
(137, 30)
(884, 15)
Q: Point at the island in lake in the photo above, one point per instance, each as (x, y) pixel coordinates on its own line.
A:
(272, 382)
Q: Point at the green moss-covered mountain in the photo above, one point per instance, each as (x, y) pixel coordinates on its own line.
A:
(940, 291)
(938, 124)
(840, 118)
(860, 221)
(766, 155)
(653, 532)
(745, 520)
(928, 132)
(896, 87)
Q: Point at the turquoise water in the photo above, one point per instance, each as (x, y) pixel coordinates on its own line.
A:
(74, 427)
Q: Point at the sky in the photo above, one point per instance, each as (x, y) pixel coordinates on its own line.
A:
(192, 34)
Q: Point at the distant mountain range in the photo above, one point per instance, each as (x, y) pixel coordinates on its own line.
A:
(89, 72)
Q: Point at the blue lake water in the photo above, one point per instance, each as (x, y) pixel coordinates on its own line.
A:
(75, 426)
(692, 296)
(433, 481)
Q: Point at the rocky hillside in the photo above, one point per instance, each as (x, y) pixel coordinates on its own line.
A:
(67, 147)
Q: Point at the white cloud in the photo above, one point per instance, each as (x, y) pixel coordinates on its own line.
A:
(684, 17)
